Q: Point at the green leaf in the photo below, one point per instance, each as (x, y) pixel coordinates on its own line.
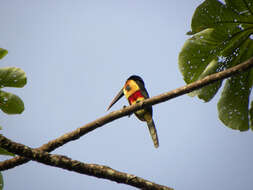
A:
(222, 38)
(234, 102)
(251, 115)
(3, 52)
(1, 181)
(10, 103)
(12, 77)
(5, 152)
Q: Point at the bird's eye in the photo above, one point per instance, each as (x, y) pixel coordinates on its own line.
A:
(128, 88)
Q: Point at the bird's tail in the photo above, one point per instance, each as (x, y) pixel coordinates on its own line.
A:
(153, 133)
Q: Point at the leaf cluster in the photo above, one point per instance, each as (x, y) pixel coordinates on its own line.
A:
(222, 37)
(11, 77)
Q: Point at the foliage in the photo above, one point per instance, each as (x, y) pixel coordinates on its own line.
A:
(1, 181)
(222, 37)
(11, 77)
(5, 152)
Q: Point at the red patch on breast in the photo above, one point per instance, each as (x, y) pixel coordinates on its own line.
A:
(135, 96)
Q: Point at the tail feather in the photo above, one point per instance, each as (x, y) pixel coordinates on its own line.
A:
(153, 133)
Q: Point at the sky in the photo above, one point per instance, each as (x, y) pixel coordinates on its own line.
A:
(77, 56)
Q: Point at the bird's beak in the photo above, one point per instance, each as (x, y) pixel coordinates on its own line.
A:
(119, 95)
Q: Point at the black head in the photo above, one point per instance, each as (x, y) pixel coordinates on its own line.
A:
(121, 92)
(136, 78)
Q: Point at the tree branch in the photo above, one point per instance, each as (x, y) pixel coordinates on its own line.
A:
(77, 166)
(53, 144)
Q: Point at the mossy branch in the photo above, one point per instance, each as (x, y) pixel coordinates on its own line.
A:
(64, 162)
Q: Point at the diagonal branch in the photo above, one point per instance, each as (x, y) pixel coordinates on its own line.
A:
(53, 144)
(77, 166)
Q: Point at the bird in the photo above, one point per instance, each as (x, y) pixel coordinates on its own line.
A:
(135, 92)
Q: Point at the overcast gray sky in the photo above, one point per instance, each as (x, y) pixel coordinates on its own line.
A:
(77, 55)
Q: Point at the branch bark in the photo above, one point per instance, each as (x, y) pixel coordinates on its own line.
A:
(53, 144)
(64, 162)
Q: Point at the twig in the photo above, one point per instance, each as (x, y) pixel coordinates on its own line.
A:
(53, 144)
(64, 162)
